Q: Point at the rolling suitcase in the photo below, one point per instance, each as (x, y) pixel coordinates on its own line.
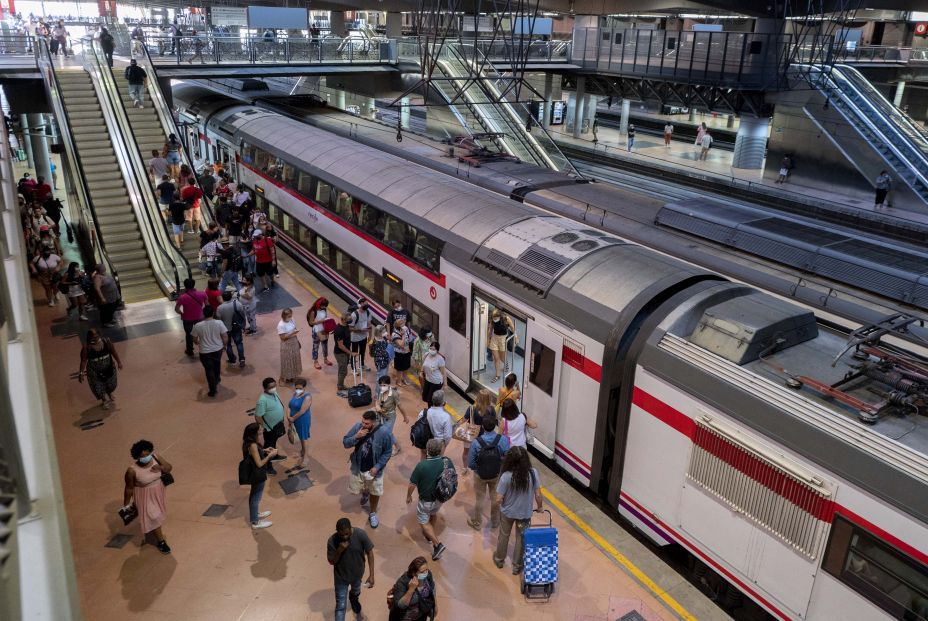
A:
(540, 563)
(359, 395)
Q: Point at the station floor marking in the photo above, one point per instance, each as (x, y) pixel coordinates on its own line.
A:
(564, 510)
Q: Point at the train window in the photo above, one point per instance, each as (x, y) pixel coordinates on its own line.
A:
(343, 263)
(288, 175)
(323, 250)
(457, 312)
(372, 221)
(286, 223)
(879, 572)
(367, 279)
(422, 316)
(541, 367)
(345, 207)
(618, 38)
(427, 249)
(273, 214)
(305, 184)
(324, 194)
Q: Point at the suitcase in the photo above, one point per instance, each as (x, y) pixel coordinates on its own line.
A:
(540, 563)
(359, 395)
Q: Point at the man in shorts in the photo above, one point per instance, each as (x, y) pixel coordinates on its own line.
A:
(178, 212)
(425, 479)
(265, 258)
(373, 447)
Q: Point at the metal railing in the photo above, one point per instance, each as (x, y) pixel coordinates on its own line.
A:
(211, 49)
(166, 260)
(16, 45)
(882, 54)
(88, 214)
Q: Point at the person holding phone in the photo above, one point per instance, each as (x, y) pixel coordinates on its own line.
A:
(346, 551)
(291, 365)
(252, 448)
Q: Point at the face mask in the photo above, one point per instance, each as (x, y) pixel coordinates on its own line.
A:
(496, 320)
(298, 391)
(432, 350)
(146, 460)
(423, 576)
(272, 391)
(397, 308)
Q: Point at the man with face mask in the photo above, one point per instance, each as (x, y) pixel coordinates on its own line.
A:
(359, 322)
(346, 551)
(269, 413)
(397, 312)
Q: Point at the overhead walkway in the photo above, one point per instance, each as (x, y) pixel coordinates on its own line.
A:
(114, 188)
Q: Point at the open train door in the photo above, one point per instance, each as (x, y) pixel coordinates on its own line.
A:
(542, 383)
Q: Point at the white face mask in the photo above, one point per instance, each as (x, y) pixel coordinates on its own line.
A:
(433, 351)
(423, 576)
(298, 391)
(146, 460)
(272, 391)
(496, 320)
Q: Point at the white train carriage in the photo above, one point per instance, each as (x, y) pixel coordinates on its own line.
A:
(707, 413)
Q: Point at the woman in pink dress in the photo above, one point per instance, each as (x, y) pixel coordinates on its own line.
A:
(145, 489)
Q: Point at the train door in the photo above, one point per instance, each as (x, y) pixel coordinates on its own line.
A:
(227, 157)
(542, 383)
(496, 355)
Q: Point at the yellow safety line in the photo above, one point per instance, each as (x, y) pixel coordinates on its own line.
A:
(618, 556)
(598, 539)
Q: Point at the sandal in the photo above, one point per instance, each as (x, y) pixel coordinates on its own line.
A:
(317, 365)
(494, 380)
(328, 362)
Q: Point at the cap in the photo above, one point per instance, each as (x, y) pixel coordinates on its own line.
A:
(257, 233)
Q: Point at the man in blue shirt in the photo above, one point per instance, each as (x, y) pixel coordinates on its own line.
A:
(485, 458)
(373, 447)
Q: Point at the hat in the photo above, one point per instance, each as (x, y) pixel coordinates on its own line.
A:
(257, 233)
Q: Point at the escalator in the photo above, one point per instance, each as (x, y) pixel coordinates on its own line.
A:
(882, 137)
(114, 188)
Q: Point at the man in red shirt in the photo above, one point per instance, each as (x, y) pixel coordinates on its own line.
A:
(190, 308)
(192, 195)
(265, 258)
(42, 190)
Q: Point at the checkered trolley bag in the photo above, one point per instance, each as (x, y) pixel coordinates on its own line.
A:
(540, 571)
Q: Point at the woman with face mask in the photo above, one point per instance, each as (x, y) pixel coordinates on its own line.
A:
(497, 334)
(421, 347)
(433, 373)
(414, 593)
(291, 364)
(145, 490)
(301, 418)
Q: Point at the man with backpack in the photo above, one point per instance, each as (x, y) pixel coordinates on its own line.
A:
(485, 458)
(436, 481)
(232, 314)
(136, 77)
(373, 447)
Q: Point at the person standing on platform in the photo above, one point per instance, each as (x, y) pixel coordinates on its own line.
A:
(189, 306)
(359, 322)
(249, 297)
(301, 418)
(424, 479)
(668, 134)
(485, 458)
(519, 486)
(145, 490)
(136, 77)
(433, 374)
(373, 448)
(631, 137)
(265, 259)
(784, 169)
(474, 415)
(387, 405)
(107, 291)
(342, 342)
(346, 551)
(414, 593)
(107, 44)
(230, 260)
(700, 132)
(232, 314)
(269, 412)
(291, 365)
(439, 421)
(705, 143)
(211, 337)
(316, 316)
(884, 184)
(252, 449)
(402, 354)
(397, 312)
(99, 362)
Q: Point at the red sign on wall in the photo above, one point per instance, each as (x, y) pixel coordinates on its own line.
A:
(921, 28)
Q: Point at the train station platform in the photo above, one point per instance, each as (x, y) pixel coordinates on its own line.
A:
(219, 568)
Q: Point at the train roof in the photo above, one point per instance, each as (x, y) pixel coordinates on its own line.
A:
(580, 275)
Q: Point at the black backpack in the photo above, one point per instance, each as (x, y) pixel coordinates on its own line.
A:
(420, 432)
(489, 462)
(447, 485)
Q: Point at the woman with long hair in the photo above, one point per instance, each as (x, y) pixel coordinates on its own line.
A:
(498, 331)
(316, 316)
(519, 488)
(483, 406)
(77, 297)
(414, 593)
(513, 423)
(291, 365)
(253, 449)
(509, 390)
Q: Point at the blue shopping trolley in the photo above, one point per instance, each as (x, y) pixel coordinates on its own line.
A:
(540, 563)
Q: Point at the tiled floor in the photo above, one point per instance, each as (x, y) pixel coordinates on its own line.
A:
(220, 569)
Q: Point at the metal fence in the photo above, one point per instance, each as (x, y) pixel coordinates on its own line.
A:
(271, 50)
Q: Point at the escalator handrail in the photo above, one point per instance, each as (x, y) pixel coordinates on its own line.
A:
(140, 191)
(861, 82)
(166, 117)
(823, 83)
(44, 60)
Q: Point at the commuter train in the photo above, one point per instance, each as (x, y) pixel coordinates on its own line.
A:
(784, 456)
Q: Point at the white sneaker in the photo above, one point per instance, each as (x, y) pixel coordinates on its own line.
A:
(261, 524)
(263, 515)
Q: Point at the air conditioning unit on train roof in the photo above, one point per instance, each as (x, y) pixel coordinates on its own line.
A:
(741, 329)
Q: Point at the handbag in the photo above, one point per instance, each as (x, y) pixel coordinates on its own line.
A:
(167, 478)
(464, 431)
(292, 435)
(127, 515)
(249, 473)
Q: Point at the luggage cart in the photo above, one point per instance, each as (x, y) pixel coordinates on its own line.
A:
(540, 563)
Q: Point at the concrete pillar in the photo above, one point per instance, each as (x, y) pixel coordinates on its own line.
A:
(897, 98)
(340, 100)
(692, 117)
(750, 143)
(337, 23)
(27, 144)
(394, 25)
(731, 121)
(626, 109)
(404, 112)
(546, 104)
(579, 99)
(39, 142)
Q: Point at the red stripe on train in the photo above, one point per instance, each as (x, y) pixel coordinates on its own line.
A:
(438, 280)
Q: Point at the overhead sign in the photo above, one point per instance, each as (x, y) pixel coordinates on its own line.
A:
(277, 17)
(228, 16)
(921, 28)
